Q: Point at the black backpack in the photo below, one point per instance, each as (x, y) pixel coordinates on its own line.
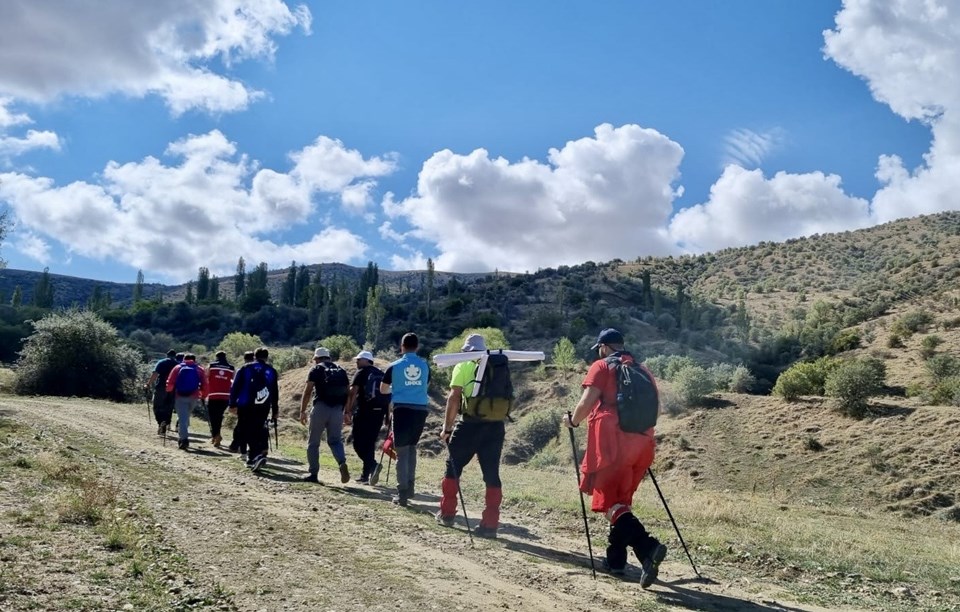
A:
(638, 402)
(335, 386)
(494, 399)
(372, 397)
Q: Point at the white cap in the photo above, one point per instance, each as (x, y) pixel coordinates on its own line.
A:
(321, 352)
(365, 355)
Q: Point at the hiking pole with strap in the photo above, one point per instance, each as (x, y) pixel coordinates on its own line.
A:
(389, 463)
(463, 504)
(583, 506)
(375, 476)
(670, 514)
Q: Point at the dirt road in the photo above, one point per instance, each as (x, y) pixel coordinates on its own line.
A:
(269, 542)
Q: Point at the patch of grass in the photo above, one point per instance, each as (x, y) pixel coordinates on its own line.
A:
(23, 462)
(86, 503)
(812, 444)
(120, 535)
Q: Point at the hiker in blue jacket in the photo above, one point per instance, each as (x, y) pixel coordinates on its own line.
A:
(255, 394)
(407, 380)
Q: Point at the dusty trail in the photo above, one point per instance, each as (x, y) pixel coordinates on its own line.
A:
(276, 544)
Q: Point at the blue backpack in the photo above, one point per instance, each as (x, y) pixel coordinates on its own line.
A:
(188, 380)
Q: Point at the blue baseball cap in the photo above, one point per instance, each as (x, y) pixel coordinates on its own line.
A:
(608, 336)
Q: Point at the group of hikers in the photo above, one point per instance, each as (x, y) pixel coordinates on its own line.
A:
(619, 451)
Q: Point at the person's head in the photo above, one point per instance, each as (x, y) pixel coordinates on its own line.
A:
(179, 357)
(261, 354)
(608, 342)
(171, 354)
(364, 359)
(189, 357)
(321, 354)
(221, 356)
(248, 357)
(474, 342)
(409, 343)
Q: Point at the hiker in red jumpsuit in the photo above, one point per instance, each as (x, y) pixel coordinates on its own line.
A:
(615, 462)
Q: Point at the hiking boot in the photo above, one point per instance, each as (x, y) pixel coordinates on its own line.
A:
(613, 571)
(446, 521)
(400, 499)
(375, 476)
(162, 431)
(216, 441)
(183, 444)
(650, 565)
(159, 429)
(344, 473)
(258, 463)
(311, 478)
(362, 480)
(489, 533)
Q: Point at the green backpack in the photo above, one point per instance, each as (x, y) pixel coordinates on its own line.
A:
(494, 399)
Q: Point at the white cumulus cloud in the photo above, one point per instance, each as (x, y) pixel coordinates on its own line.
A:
(171, 48)
(597, 198)
(745, 208)
(908, 52)
(12, 145)
(32, 246)
(212, 207)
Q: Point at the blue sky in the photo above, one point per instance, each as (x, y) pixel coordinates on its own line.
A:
(487, 135)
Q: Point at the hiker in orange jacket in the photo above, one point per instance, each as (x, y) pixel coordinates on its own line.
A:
(615, 462)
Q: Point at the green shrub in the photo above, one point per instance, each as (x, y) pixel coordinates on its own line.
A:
(532, 432)
(289, 358)
(693, 384)
(235, 344)
(742, 381)
(804, 378)
(854, 381)
(946, 392)
(942, 367)
(912, 322)
(341, 347)
(929, 344)
(77, 353)
(722, 374)
(894, 341)
(665, 367)
(847, 340)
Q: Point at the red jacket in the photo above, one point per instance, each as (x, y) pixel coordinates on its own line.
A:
(219, 380)
(172, 379)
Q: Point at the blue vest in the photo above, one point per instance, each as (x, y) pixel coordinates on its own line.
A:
(409, 379)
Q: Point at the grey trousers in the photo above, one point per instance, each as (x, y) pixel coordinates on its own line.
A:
(184, 406)
(324, 418)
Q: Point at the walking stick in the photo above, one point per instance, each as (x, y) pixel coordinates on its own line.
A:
(670, 514)
(583, 506)
(463, 504)
(149, 396)
(375, 477)
(276, 437)
(389, 463)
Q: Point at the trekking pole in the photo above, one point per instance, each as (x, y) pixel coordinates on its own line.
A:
(670, 514)
(583, 506)
(375, 476)
(276, 437)
(148, 396)
(389, 463)
(463, 504)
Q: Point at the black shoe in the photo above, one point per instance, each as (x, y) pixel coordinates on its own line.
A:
(613, 571)
(650, 565)
(399, 500)
(489, 533)
(233, 448)
(344, 473)
(183, 444)
(258, 463)
(375, 476)
(446, 521)
(311, 478)
(362, 480)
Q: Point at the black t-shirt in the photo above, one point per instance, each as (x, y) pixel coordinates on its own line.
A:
(360, 382)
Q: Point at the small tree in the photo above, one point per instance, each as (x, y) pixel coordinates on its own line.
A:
(341, 346)
(77, 353)
(235, 344)
(564, 355)
(854, 381)
(693, 384)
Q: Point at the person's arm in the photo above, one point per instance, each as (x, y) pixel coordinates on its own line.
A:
(386, 385)
(589, 399)
(172, 378)
(348, 406)
(454, 398)
(304, 400)
(153, 379)
(204, 389)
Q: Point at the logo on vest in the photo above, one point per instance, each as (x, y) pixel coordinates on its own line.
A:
(413, 374)
(262, 396)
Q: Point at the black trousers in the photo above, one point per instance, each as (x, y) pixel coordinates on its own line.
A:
(366, 429)
(483, 439)
(215, 410)
(407, 425)
(162, 405)
(255, 429)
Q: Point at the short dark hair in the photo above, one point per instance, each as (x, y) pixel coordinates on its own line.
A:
(248, 356)
(171, 353)
(220, 355)
(410, 341)
(190, 356)
(261, 353)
